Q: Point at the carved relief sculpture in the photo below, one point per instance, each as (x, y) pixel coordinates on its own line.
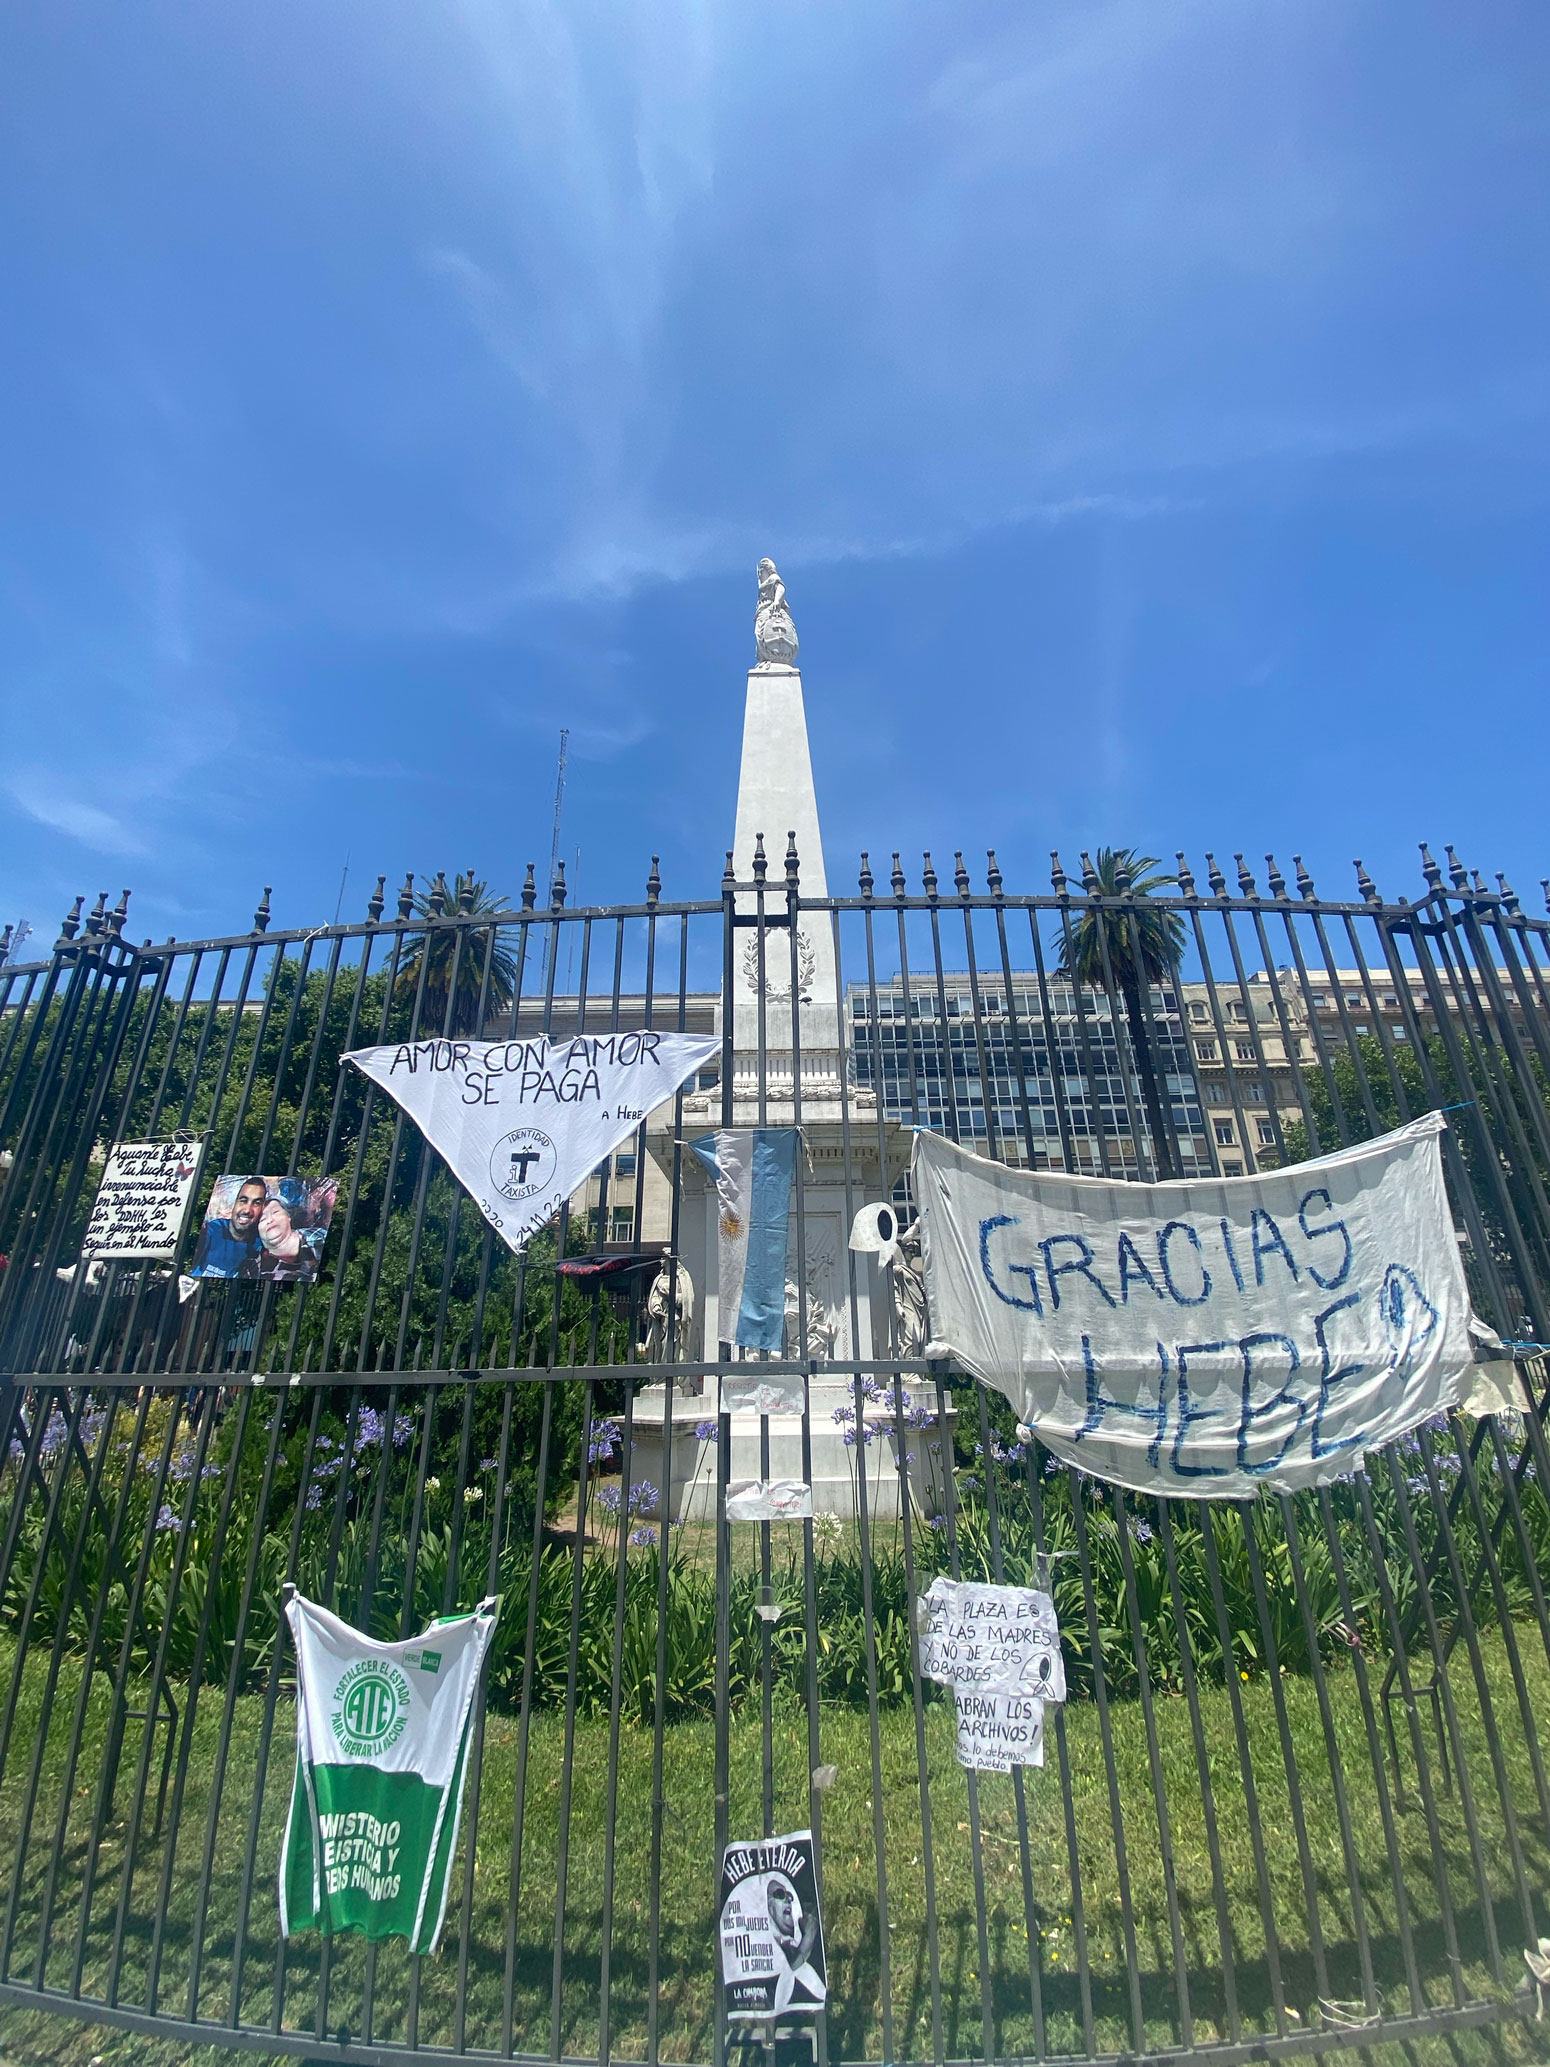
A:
(775, 636)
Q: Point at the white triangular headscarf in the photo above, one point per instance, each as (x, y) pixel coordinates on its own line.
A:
(522, 1124)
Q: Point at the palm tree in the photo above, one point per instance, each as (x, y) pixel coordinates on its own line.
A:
(469, 946)
(1143, 943)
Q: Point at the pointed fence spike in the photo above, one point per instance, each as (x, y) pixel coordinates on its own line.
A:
(529, 890)
(1509, 895)
(654, 882)
(1456, 870)
(1089, 873)
(376, 901)
(120, 912)
(897, 878)
(960, 874)
(792, 872)
(1304, 880)
(1186, 880)
(1214, 876)
(557, 888)
(1429, 868)
(865, 878)
(928, 877)
(1057, 874)
(72, 921)
(993, 881)
(406, 896)
(1366, 885)
(761, 866)
(261, 916)
(1274, 877)
(728, 875)
(1246, 886)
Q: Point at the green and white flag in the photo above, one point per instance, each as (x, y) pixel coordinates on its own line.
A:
(382, 1736)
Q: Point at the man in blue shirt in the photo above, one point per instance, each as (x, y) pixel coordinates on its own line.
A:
(230, 1248)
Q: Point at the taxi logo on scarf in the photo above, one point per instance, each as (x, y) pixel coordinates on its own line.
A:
(371, 1708)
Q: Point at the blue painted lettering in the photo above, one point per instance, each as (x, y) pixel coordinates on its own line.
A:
(1316, 1234)
(1184, 1299)
(1025, 1270)
(1082, 1266)
(1268, 1245)
(1131, 1266)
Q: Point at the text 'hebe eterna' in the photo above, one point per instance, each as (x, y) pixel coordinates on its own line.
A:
(1207, 1337)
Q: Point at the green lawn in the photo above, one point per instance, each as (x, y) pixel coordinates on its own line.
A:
(856, 1947)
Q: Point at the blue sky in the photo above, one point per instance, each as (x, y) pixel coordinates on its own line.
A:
(1146, 404)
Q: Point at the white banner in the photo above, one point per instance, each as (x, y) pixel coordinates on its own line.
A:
(523, 1124)
(1210, 1337)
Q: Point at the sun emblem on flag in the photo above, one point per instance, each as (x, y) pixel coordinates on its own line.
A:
(731, 1227)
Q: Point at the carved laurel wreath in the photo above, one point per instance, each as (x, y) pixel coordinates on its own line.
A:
(807, 968)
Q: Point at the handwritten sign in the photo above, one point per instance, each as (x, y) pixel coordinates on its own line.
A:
(999, 1731)
(522, 1124)
(1206, 1337)
(994, 1639)
(142, 1201)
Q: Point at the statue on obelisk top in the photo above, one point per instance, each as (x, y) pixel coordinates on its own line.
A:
(775, 636)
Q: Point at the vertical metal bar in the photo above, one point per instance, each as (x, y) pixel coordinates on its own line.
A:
(1332, 1751)
(1417, 1739)
(1230, 1670)
(1224, 1932)
(1110, 1771)
(1155, 1764)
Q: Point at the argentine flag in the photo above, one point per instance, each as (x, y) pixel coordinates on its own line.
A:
(754, 1169)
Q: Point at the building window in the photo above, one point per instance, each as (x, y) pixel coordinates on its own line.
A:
(1244, 1050)
(624, 1163)
(1267, 1134)
(1197, 1012)
(1216, 1094)
(621, 1224)
(1206, 1050)
(1224, 1132)
(1232, 1169)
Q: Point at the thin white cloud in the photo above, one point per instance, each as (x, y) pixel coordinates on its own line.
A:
(34, 791)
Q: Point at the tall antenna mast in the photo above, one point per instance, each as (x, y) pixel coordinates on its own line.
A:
(554, 849)
(559, 800)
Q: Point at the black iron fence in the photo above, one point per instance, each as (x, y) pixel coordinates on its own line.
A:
(1298, 1797)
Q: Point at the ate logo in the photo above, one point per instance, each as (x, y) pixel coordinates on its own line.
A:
(371, 1707)
(522, 1163)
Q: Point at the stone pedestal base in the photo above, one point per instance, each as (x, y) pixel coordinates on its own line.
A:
(692, 1494)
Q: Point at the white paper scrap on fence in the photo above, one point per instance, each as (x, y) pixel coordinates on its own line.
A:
(773, 1500)
(990, 1639)
(999, 1731)
(523, 1124)
(1210, 1337)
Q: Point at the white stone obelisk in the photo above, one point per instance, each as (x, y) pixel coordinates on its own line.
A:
(776, 798)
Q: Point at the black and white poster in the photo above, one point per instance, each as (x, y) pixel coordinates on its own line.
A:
(142, 1201)
(771, 1933)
